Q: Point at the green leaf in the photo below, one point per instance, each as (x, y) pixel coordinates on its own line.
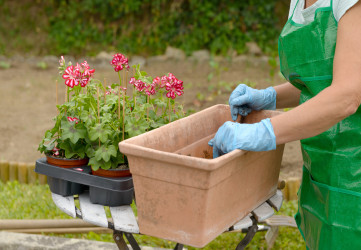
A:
(72, 132)
(104, 153)
(99, 132)
(95, 165)
(88, 117)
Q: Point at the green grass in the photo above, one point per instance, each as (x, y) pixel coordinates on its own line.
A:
(26, 201)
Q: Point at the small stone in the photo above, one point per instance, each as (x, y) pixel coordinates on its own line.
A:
(104, 56)
(219, 59)
(156, 59)
(103, 59)
(253, 49)
(51, 59)
(201, 55)
(239, 59)
(231, 53)
(134, 60)
(174, 53)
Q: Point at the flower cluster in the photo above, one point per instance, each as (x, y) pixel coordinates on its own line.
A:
(79, 74)
(119, 62)
(91, 123)
(172, 85)
(138, 84)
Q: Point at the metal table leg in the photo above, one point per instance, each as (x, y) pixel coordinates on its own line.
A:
(249, 236)
(119, 240)
(132, 241)
(178, 247)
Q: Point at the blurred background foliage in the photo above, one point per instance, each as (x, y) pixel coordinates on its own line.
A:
(146, 27)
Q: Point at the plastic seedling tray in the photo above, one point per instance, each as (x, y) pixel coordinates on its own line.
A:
(71, 181)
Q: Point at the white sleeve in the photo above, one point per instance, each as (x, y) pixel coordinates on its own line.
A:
(292, 7)
(341, 6)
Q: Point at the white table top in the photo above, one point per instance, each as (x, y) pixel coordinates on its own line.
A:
(123, 218)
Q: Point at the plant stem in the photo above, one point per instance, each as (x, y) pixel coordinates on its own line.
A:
(98, 111)
(98, 104)
(126, 82)
(169, 108)
(123, 111)
(105, 92)
(57, 96)
(148, 101)
(119, 102)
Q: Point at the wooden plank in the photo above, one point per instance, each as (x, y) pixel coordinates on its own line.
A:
(66, 204)
(4, 171)
(76, 230)
(22, 173)
(124, 219)
(263, 212)
(13, 171)
(281, 220)
(271, 237)
(42, 223)
(92, 213)
(246, 222)
(276, 200)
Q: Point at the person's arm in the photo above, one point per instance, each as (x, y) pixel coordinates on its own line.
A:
(288, 96)
(336, 102)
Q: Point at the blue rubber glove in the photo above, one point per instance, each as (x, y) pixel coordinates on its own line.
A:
(252, 137)
(244, 99)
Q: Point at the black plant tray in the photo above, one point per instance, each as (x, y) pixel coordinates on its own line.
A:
(71, 181)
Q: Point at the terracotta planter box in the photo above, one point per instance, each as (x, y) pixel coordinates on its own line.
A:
(184, 197)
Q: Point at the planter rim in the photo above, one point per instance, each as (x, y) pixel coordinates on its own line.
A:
(189, 161)
(127, 147)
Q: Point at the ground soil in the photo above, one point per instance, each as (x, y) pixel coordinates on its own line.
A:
(27, 98)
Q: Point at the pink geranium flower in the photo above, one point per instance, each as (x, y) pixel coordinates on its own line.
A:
(150, 89)
(157, 82)
(172, 85)
(80, 74)
(73, 119)
(55, 151)
(138, 84)
(71, 77)
(119, 62)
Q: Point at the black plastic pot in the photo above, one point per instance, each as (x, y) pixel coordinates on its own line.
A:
(71, 181)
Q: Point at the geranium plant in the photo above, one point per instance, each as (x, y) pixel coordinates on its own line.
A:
(94, 117)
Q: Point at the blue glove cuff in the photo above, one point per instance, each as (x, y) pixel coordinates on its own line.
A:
(270, 95)
(269, 136)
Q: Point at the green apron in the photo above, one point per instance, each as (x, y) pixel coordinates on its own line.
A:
(329, 215)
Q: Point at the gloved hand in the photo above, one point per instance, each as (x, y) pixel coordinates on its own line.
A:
(244, 99)
(252, 137)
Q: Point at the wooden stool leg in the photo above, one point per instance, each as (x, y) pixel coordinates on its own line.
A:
(119, 240)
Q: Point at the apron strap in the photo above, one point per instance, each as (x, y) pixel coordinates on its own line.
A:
(294, 9)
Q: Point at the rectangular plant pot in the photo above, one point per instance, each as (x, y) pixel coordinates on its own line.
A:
(184, 195)
(102, 190)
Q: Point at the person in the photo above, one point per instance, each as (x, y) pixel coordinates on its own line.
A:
(320, 57)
